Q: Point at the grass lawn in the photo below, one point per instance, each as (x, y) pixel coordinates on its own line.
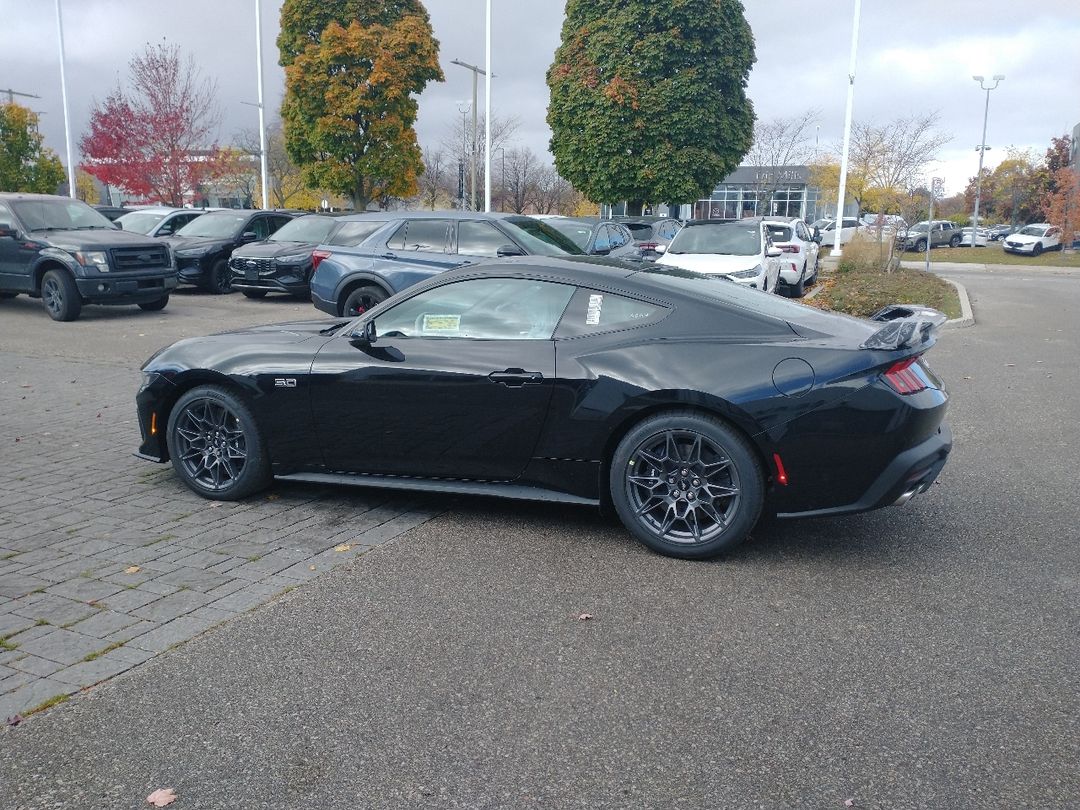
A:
(864, 292)
(993, 254)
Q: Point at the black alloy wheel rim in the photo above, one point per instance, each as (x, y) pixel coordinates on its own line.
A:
(52, 295)
(222, 282)
(211, 444)
(683, 486)
(361, 304)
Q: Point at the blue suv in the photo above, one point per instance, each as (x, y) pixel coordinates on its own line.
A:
(396, 249)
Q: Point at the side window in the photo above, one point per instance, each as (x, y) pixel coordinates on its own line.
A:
(428, 235)
(261, 227)
(6, 218)
(486, 309)
(397, 241)
(591, 312)
(619, 236)
(480, 239)
(603, 239)
(667, 230)
(351, 234)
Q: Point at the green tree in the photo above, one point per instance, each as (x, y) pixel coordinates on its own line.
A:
(25, 164)
(648, 100)
(353, 69)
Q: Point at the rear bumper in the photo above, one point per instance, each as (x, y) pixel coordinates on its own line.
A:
(329, 307)
(909, 474)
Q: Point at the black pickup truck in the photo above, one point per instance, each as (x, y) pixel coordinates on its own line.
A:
(67, 254)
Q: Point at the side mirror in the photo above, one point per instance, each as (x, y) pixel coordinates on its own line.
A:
(248, 236)
(365, 336)
(600, 251)
(7, 232)
(774, 253)
(509, 250)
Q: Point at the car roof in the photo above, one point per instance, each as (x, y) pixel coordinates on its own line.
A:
(389, 216)
(21, 195)
(161, 209)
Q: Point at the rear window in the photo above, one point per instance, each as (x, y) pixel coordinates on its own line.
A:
(642, 231)
(779, 233)
(591, 312)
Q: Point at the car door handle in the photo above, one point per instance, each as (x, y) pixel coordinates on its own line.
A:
(389, 256)
(516, 377)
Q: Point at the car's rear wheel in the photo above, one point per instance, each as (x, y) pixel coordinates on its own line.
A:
(60, 296)
(362, 299)
(798, 290)
(254, 293)
(154, 306)
(686, 485)
(215, 445)
(1037, 249)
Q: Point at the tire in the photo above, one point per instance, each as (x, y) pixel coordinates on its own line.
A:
(1037, 250)
(955, 240)
(799, 290)
(220, 279)
(60, 296)
(254, 293)
(670, 452)
(362, 299)
(154, 306)
(920, 246)
(215, 445)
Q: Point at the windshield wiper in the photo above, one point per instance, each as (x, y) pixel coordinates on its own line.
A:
(332, 328)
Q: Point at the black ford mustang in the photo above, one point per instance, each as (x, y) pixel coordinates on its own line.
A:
(686, 403)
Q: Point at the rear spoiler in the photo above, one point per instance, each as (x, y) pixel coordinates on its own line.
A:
(906, 327)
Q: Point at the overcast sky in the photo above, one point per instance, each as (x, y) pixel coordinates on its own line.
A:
(914, 56)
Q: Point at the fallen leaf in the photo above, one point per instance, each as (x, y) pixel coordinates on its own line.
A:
(132, 569)
(311, 567)
(343, 547)
(849, 803)
(272, 497)
(162, 797)
(14, 720)
(584, 617)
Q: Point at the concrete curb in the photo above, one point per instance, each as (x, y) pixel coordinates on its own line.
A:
(967, 317)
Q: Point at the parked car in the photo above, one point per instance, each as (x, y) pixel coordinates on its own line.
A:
(597, 237)
(410, 247)
(741, 250)
(67, 254)
(1034, 239)
(112, 212)
(652, 235)
(827, 227)
(157, 221)
(939, 232)
(998, 232)
(799, 264)
(687, 404)
(283, 263)
(980, 238)
(203, 246)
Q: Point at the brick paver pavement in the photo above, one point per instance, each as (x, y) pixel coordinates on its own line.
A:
(107, 560)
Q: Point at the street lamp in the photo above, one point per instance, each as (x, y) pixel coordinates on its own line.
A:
(463, 108)
(998, 79)
(842, 191)
(476, 72)
(64, 96)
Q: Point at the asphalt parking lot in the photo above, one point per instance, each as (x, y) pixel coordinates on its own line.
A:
(915, 657)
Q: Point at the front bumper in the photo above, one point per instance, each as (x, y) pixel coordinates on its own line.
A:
(1018, 248)
(909, 474)
(116, 289)
(191, 271)
(284, 279)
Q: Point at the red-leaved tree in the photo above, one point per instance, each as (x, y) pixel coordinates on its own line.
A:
(157, 140)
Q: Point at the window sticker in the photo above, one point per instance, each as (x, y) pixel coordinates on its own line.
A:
(441, 324)
(592, 317)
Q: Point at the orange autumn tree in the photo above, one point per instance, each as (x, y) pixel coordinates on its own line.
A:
(353, 69)
(1062, 206)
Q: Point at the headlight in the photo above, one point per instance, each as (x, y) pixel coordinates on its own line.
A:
(293, 261)
(190, 253)
(147, 378)
(94, 258)
(753, 272)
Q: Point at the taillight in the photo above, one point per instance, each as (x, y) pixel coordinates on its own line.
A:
(648, 245)
(789, 248)
(903, 378)
(316, 258)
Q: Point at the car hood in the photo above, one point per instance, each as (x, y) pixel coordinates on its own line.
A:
(709, 262)
(273, 250)
(96, 238)
(192, 242)
(1023, 238)
(242, 347)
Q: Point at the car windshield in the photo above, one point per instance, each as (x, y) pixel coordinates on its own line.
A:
(59, 215)
(821, 223)
(217, 225)
(140, 221)
(312, 229)
(539, 238)
(578, 232)
(1033, 230)
(728, 239)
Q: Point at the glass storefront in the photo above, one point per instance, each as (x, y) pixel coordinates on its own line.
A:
(751, 191)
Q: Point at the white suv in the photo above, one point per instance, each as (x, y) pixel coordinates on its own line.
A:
(1034, 239)
(741, 250)
(799, 264)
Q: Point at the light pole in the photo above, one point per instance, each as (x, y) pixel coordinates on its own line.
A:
(262, 107)
(842, 192)
(502, 185)
(463, 108)
(63, 94)
(487, 109)
(476, 73)
(998, 79)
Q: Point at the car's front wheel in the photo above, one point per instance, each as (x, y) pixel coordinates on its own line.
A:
(215, 445)
(156, 305)
(220, 280)
(1037, 249)
(686, 485)
(60, 296)
(361, 300)
(920, 246)
(955, 240)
